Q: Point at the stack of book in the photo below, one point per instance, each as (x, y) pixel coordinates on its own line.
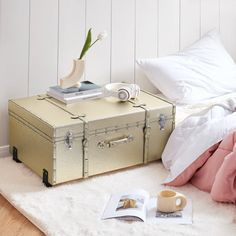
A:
(86, 91)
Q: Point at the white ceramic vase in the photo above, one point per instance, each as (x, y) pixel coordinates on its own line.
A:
(72, 80)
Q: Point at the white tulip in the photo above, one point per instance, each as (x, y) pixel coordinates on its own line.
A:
(88, 44)
(102, 35)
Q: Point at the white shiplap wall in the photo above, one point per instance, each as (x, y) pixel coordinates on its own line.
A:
(39, 39)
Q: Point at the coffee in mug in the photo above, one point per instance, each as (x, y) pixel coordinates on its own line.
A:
(170, 201)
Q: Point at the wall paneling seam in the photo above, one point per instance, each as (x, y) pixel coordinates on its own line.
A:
(58, 38)
(200, 18)
(180, 28)
(135, 26)
(158, 33)
(85, 33)
(219, 15)
(111, 21)
(29, 40)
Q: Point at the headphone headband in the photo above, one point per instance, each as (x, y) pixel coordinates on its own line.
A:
(122, 91)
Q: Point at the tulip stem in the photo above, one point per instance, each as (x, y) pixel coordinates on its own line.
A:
(93, 43)
(88, 45)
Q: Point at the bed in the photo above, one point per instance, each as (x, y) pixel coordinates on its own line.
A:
(183, 111)
(201, 81)
(202, 149)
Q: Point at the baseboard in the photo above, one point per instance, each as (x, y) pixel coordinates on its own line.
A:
(4, 151)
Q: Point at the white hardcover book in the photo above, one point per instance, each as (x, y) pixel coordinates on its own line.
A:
(78, 98)
(84, 97)
(87, 87)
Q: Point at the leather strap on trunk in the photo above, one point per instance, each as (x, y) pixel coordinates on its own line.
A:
(146, 131)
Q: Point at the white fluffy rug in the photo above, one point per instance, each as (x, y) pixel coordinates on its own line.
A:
(75, 208)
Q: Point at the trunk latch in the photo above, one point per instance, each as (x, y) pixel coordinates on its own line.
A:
(69, 139)
(162, 121)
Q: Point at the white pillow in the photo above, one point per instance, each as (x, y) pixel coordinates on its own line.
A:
(201, 71)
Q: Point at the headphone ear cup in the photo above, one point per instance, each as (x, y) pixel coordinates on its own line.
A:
(124, 93)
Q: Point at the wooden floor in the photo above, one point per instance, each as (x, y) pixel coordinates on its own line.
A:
(13, 223)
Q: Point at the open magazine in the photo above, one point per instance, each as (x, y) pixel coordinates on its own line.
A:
(138, 205)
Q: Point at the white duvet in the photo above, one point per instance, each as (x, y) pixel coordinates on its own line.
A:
(196, 134)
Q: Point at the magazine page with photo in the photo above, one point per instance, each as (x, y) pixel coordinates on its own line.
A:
(130, 205)
(138, 205)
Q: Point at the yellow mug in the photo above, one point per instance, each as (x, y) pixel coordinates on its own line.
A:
(170, 201)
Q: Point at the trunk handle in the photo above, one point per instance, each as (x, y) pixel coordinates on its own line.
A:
(116, 142)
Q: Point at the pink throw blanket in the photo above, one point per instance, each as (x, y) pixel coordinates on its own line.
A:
(214, 171)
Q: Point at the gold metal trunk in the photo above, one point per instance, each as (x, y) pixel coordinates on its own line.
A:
(66, 142)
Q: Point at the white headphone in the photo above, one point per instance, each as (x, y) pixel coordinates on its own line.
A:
(122, 91)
